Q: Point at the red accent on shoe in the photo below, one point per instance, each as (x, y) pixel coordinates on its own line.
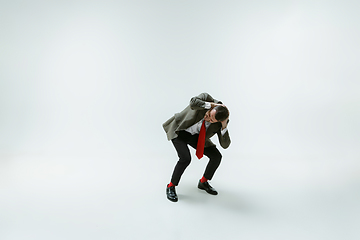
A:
(203, 179)
(170, 185)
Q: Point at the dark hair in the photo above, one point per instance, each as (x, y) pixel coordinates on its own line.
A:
(222, 113)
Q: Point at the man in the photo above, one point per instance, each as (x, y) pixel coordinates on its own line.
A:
(194, 126)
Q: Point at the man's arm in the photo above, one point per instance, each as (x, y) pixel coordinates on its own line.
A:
(225, 123)
(223, 134)
(203, 101)
(224, 140)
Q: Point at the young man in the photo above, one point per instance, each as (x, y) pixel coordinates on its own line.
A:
(195, 125)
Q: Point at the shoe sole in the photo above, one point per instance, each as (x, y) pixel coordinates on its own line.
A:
(173, 200)
(212, 193)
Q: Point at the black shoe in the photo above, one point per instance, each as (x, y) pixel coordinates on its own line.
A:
(206, 186)
(171, 194)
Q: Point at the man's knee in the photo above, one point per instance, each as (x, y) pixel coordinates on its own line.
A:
(185, 159)
(216, 158)
(219, 157)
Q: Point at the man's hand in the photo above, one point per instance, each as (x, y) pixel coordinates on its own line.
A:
(215, 104)
(225, 123)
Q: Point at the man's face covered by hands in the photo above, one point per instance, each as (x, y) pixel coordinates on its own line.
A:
(210, 116)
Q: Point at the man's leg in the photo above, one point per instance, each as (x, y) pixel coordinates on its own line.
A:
(181, 146)
(214, 162)
(184, 159)
(214, 156)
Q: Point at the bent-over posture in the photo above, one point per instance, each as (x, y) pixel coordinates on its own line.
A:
(195, 125)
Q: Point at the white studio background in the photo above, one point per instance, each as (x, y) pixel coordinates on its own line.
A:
(86, 85)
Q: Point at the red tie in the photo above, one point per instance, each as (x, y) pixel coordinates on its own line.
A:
(201, 141)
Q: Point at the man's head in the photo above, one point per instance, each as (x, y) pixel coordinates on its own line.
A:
(217, 114)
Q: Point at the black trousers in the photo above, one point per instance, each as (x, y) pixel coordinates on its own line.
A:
(181, 145)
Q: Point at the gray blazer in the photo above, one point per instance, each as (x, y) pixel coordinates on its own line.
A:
(193, 114)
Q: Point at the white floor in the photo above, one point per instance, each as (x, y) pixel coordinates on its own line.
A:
(76, 197)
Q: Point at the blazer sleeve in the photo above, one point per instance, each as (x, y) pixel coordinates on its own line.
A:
(198, 102)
